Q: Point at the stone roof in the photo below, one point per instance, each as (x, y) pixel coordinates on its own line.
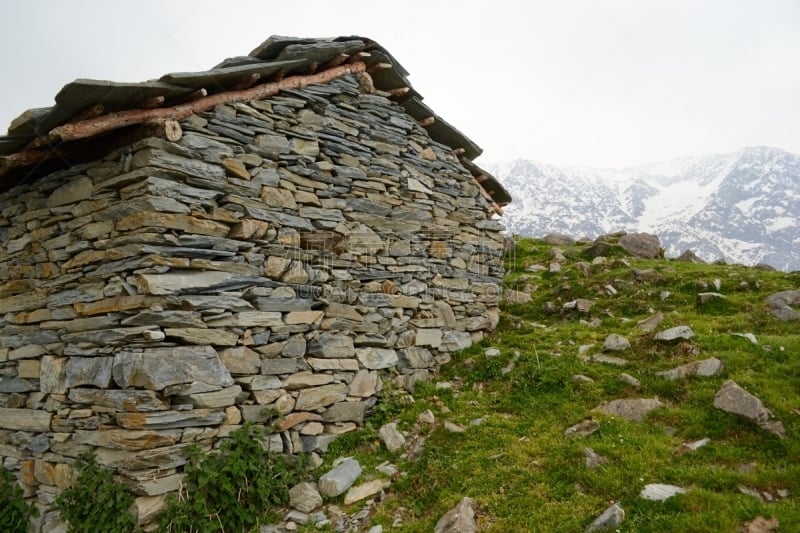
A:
(275, 58)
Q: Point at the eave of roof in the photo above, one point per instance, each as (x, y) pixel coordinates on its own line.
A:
(276, 57)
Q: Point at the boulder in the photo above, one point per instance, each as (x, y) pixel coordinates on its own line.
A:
(634, 409)
(781, 303)
(459, 519)
(641, 245)
(611, 518)
(733, 399)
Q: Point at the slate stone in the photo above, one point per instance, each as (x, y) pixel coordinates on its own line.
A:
(733, 399)
(660, 491)
(337, 480)
(676, 333)
(616, 343)
(345, 412)
(305, 497)
(377, 358)
(781, 305)
(318, 397)
(330, 345)
(641, 245)
(157, 368)
(634, 409)
(391, 437)
(119, 400)
(459, 519)
(71, 192)
(170, 419)
(612, 517)
(95, 371)
(25, 420)
(705, 368)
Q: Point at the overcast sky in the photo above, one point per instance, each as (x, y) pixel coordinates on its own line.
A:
(597, 83)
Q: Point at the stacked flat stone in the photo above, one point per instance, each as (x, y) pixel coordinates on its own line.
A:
(283, 256)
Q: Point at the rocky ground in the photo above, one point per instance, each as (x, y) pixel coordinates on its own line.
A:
(622, 392)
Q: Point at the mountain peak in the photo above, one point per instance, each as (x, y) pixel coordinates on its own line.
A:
(742, 206)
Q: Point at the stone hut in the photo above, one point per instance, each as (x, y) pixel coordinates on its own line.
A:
(284, 231)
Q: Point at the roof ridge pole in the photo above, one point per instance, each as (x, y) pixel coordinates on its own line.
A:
(111, 121)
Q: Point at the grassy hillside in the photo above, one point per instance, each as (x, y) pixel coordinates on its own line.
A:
(513, 458)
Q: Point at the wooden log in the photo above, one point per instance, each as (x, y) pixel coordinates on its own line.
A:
(152, 102)
(377, 67)
(365, 83)
(112, 121)
(336, 61)
(426, 121)
(95, 111)
(400, 91)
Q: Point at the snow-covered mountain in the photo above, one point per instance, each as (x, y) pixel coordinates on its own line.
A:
(742, 206)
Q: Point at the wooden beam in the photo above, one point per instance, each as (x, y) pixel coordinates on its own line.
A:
(152, 102)
(398, 92)
(426, 121)
(246, 83)
(336, 61)
(112, 121)
(377, 67)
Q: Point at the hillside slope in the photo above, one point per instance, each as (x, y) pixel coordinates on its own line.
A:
(545, 428)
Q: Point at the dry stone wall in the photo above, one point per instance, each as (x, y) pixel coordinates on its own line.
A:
(285, 255)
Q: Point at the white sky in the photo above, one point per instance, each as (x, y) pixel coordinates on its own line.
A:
(582, 82)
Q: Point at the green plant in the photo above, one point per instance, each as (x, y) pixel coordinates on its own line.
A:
(15, 512)
(96, 502)
(233, 489)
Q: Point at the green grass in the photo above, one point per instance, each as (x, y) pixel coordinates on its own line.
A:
(524, 475)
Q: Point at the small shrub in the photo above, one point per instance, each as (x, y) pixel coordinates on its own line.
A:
(233, 489)
(15, 512)
(96, 502)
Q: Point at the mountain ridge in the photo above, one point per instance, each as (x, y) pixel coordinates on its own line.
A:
(741, 206)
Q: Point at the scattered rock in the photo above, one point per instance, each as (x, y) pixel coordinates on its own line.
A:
(660, 492)
(641, 245)
(630, 380)
(616, 343)
(688, 447)
(426, 417)
(555, 267)
(593, 459)
(706, 297)
(391, 438)
(634, 409)
(580, 378)
(672, 334)
(733, 399)
(460, 519)
(609, 360)
(584, 428)
(705, 368)
(452, 427)
(340, 478)
(749, 336)
(491, 352)
(781, 303)
(304, 497)
(363, 491)
(581, 305)
(646, 275)
(611, 518)
(760, 525)
(689, 257)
